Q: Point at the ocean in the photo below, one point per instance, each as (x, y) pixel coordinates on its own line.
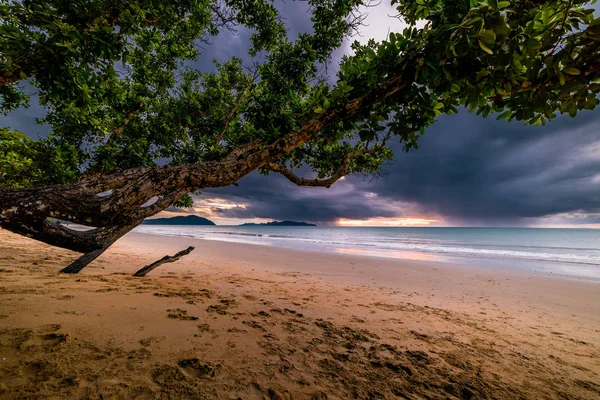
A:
(569, 252)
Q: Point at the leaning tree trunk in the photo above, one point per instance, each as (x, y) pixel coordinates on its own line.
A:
(83, 261)
(109, 206)
(108, 240)
(37, 212)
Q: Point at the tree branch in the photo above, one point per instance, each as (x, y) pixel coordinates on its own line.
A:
(239, 151)
(527, 87)
(343, 171)
(232, 112)
(160, 204)
(128, 116)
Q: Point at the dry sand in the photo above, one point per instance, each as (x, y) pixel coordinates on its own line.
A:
(241, 321)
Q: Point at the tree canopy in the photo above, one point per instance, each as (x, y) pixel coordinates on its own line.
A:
(133, 116)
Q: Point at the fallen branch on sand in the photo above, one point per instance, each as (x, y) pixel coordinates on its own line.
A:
(165, 259)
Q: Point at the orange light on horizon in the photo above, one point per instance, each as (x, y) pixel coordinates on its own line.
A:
(416, 221)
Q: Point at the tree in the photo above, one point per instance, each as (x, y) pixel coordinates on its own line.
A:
(136, 128)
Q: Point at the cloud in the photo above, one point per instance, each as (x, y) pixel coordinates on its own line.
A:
(274, 197)
(467, 171)
(472, 168)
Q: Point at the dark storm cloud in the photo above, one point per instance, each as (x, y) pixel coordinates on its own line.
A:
(467, 170)
(276, 198)
(467, 167)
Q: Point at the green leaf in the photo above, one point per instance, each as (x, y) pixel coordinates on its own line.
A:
(504, 115)
(438, 106)
(503, 4)
(454, 88)
(485, 48)
(453, 50)
(471, 21)
(23, 75)
(488, 37)
(532, 43)
(561, 78)
(572, 71)
(366, 135)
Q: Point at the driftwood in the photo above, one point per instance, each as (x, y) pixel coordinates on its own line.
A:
(165, 259)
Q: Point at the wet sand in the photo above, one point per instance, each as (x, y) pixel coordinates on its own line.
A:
(242, 321)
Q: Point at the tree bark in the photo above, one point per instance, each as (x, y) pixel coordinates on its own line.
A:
(165, 259)
(83, 261)
(107, 240)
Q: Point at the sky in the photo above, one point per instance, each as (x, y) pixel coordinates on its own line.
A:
(467, 171)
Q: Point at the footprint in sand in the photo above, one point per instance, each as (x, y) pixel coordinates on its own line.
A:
(152, 339)
(180, 314)
(204, 328)
(55, 338)
(38, 371)
(261, 314)
(236, 330)
(194, 368)
(253, 324)
(221, 308)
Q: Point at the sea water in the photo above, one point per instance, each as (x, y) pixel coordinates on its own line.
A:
(572, 252)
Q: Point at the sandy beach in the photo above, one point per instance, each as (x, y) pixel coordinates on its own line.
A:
(243, 321)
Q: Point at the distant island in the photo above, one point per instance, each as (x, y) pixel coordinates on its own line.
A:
(279, 223)
(196, 220)
(187, 220)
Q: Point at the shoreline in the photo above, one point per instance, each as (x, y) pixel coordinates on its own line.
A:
(236, 320)
(445, 281)
(577, 270)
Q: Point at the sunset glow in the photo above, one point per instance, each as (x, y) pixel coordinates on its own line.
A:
(416, 221)
(216, 209)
